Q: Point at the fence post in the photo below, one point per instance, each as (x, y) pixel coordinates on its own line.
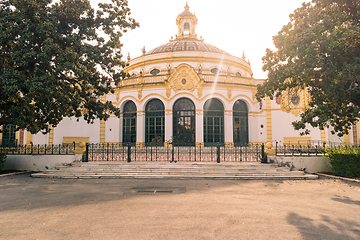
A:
(86, 157)
(218, 154)
(129, 153)
(263, 157)
(172, 152)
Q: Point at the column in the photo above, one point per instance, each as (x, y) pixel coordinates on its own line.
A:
(199, 127)
(121, 129)
(140, 129)
(51, 135)
(268, 120)
(228, 128)
(102, 131)
(29, 137)
(168, 127)
(102, 123)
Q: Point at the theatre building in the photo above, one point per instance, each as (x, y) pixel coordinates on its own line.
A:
(188, 92)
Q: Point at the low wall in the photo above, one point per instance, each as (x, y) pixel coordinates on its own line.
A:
(38, 162)
(309, 164)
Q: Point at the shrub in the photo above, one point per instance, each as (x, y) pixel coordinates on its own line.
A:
(345, 161)
(2, 160)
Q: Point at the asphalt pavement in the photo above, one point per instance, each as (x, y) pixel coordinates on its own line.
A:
(42, 208)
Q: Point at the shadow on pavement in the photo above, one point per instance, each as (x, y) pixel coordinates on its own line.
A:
(345, 199)
(326, 228)
(25, 193)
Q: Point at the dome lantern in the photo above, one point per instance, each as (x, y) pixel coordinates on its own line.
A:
(186, 22)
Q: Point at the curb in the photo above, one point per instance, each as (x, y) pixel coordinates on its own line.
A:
(337, 177)
(15, 173)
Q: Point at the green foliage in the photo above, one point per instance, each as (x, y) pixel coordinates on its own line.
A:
(319, 49)
(345, 161)
(57, 59)
(2, 160)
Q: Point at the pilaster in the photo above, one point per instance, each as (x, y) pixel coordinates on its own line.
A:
(199, 129)
(140, 127)
(51, 135)
(228, 127)
(168, 125)
(268, 120)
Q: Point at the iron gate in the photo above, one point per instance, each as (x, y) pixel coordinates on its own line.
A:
(156, 153)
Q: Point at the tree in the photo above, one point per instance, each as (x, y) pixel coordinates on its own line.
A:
(319, 49)
(57, 59)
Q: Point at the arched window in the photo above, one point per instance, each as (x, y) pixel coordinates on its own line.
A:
(184, 122)
(213, 122)
(154, 122)
(186, 28)
(240, 122)
(129, 122)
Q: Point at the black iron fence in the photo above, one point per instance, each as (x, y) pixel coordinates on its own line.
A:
(310, 148)
(30, 149)
(173, 153)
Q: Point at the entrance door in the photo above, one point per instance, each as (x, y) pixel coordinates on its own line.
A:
(184, 123)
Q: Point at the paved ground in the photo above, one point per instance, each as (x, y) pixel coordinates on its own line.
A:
(177, 209)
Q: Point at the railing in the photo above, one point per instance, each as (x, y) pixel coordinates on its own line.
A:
(30, 149)
(207, 78)
(146, 79)
(304, 148)
(172, 153)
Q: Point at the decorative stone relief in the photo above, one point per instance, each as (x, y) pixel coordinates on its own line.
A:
(199, 112)
(140, 113)
(229, 93)
(183, 78)
(294, 100)
(228, 112)
(139, 94)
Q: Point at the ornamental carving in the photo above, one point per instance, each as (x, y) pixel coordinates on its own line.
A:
(183, 78)
(229, 93)
(294, 100)
(228, 112)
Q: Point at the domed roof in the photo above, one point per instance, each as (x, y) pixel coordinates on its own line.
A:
(186, 12)
(186, 45)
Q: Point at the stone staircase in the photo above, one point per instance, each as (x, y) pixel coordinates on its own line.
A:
(191, 170)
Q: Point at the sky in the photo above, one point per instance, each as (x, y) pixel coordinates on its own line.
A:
(231, 25)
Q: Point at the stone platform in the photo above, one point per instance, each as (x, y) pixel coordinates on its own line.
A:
(166, 170)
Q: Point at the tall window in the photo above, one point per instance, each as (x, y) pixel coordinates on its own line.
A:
(184, 122)
(129, 122)
(8, 136)
(155, 122)
(213, 122)
(240, 121)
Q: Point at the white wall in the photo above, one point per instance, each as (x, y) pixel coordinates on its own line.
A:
(38, 162)
(307, 163)
(69, 127)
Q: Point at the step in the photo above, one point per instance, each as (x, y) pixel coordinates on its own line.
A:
(189, 170)
(193, 177)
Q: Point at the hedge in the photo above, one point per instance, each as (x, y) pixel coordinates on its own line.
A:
(2, 160)
(345, 161)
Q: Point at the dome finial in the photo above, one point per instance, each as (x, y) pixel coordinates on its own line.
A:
(187, 6)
